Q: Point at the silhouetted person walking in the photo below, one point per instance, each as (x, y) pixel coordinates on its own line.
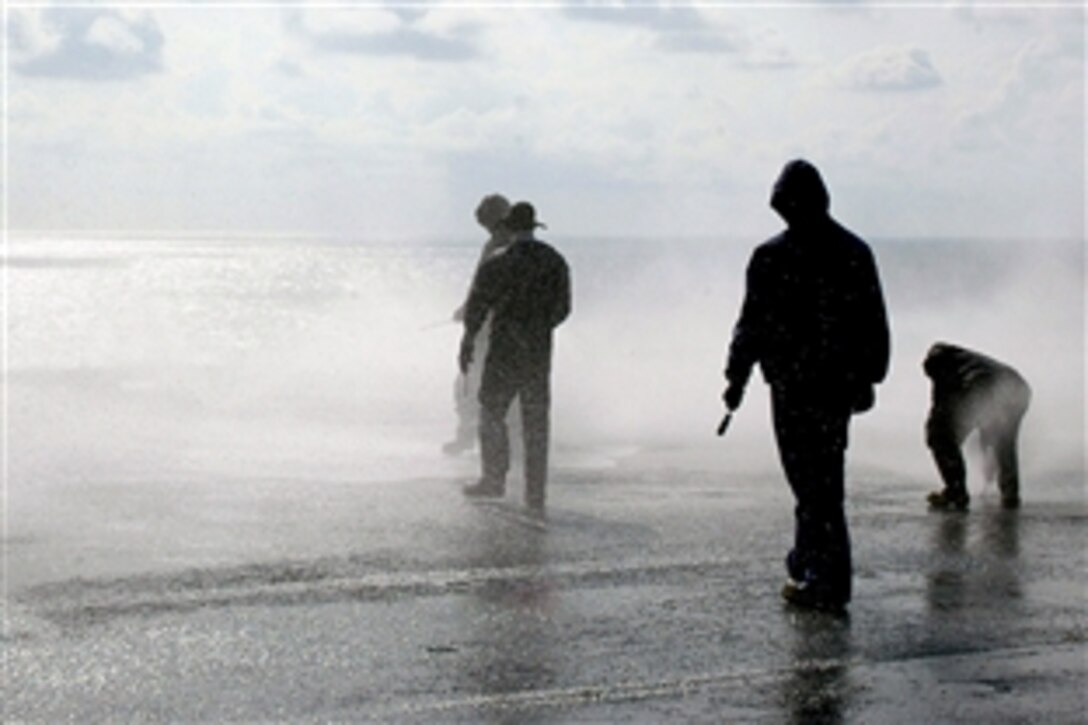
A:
(526, 290)
(971, 391)
(814, 319)
(490, 213)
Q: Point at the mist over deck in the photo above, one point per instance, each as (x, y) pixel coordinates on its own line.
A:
(226, 499)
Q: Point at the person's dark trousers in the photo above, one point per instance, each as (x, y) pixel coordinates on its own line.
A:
(1008, 464)
(811, 430)
(1001, 438)
(530, 383)
(945, 434)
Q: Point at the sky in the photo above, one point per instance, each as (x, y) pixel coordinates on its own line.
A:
(390, 121)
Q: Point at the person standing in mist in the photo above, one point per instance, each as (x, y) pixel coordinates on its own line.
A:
(813, 318)
(526, 290)
(490, 213)
(971, 391)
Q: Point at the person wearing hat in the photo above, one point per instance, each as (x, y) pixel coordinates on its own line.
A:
(526, 291)
(972, 391)
(490, 214)
(814, 319)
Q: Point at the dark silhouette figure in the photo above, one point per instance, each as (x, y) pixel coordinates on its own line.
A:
(526, 290)
(490, 213)
(971, 391)
(814, 319)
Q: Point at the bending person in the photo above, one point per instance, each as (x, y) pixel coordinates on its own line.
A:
(971, 391)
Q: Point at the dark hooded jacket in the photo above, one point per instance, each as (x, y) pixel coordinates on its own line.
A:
(813, 312)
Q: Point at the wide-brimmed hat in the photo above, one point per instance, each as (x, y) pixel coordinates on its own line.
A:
(521, 218)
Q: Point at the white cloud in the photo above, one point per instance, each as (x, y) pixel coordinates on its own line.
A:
(982, 15)
(88, 45)
(674, 28)
(698, 41)
(766, 48)
(890, 69)
(580, 114)
(370, 32)
(464, 130)
(114, 35)
(289, 68)
(1022, 105)
(29, 36)
(360, 22)
(664, 18)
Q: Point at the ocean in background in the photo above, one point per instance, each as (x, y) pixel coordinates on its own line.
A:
(232, 360)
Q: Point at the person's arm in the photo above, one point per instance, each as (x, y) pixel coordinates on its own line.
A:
(870, 316)
(562, 307)
(490, 248)
(475, 311)
(876, 353)
(745, 346)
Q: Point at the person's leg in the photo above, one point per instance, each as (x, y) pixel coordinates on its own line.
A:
(812, 436)
(1008, 476)
(515, 432)
(944, 438)
(535, 398)
(466, 396)
(497, 390)
(466, 406)
(1008, 466)
(787, 434)
(1005, 438)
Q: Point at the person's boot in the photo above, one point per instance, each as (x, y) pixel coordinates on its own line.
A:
(808, 595)
(485, 488)
(948, 500)
(458, 446)
(534, 496)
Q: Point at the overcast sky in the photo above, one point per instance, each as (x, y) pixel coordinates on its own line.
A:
(954, 118)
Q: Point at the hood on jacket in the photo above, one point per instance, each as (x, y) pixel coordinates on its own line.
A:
(799, 195)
